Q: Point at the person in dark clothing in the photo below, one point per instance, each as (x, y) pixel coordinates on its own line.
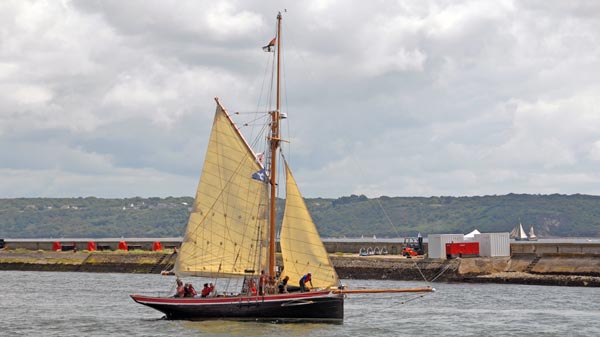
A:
(283, 285)
(189, 290)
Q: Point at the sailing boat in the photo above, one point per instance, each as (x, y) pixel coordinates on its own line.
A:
(521, 236)
(532, 236)
(231, 234)
(513, 233)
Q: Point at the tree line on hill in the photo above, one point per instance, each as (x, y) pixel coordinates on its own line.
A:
(553, 215)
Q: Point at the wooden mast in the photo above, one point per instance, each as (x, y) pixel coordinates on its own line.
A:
(274, 145)
(275, 115)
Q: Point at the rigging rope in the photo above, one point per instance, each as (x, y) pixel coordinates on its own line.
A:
(441, 272)
(419, 269)
(392, 225)
(412, 299)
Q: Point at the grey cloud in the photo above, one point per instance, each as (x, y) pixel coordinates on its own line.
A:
(423, 98)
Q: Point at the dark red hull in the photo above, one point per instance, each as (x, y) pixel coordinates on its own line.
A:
(322, 306)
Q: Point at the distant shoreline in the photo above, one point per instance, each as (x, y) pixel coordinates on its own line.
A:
(352, 216)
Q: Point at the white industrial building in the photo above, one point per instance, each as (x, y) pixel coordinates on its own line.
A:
(493, 244)
(490, 244)
(436, 244)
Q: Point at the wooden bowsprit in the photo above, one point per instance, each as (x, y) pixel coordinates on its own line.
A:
(388, 291)
(384, 291)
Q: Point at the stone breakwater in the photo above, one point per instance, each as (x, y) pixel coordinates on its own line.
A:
(550, 269)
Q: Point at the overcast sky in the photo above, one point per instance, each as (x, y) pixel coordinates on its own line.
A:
(407, 98)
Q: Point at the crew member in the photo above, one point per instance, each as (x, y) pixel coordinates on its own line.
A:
(303, 280)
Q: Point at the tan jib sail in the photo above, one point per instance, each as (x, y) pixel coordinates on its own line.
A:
(227, 229)
(301, 245)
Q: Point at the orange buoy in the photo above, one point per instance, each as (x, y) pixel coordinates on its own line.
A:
(157, 246)
(56, 246)
(91, 246)
(123, 245)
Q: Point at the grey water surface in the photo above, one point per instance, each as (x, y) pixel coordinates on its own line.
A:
(95, 304)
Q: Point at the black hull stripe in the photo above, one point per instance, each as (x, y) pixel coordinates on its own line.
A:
(309, 307)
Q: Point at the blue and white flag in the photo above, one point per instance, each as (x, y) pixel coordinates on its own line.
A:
(260, 175)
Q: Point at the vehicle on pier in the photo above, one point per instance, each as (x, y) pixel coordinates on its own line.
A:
(414, 244)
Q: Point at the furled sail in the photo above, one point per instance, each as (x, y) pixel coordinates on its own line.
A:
(227, 229)
(301, 245)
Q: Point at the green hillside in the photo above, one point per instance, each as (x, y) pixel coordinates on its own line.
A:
(352, 216)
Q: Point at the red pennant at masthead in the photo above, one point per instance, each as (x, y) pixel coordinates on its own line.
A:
(269, 47)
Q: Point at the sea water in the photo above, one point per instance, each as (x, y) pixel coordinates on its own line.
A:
(95, 304)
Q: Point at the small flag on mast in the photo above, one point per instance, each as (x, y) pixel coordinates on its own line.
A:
(269, 47)
(260, 175)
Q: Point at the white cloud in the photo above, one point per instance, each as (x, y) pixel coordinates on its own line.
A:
(401, 60)
(30, 94)
(226, 20)
(594, 152)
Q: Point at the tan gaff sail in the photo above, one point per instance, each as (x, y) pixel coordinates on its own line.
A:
(227, 229)
(301, 245)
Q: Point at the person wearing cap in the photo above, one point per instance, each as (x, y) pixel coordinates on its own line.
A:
(303, 280)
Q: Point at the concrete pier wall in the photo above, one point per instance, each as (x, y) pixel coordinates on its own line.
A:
(393, 248)
(542, 248)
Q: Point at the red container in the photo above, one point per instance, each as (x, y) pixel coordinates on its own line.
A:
(157, 246)
(123, 245)
(462, 249)
(56, 246)
(91, 246)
